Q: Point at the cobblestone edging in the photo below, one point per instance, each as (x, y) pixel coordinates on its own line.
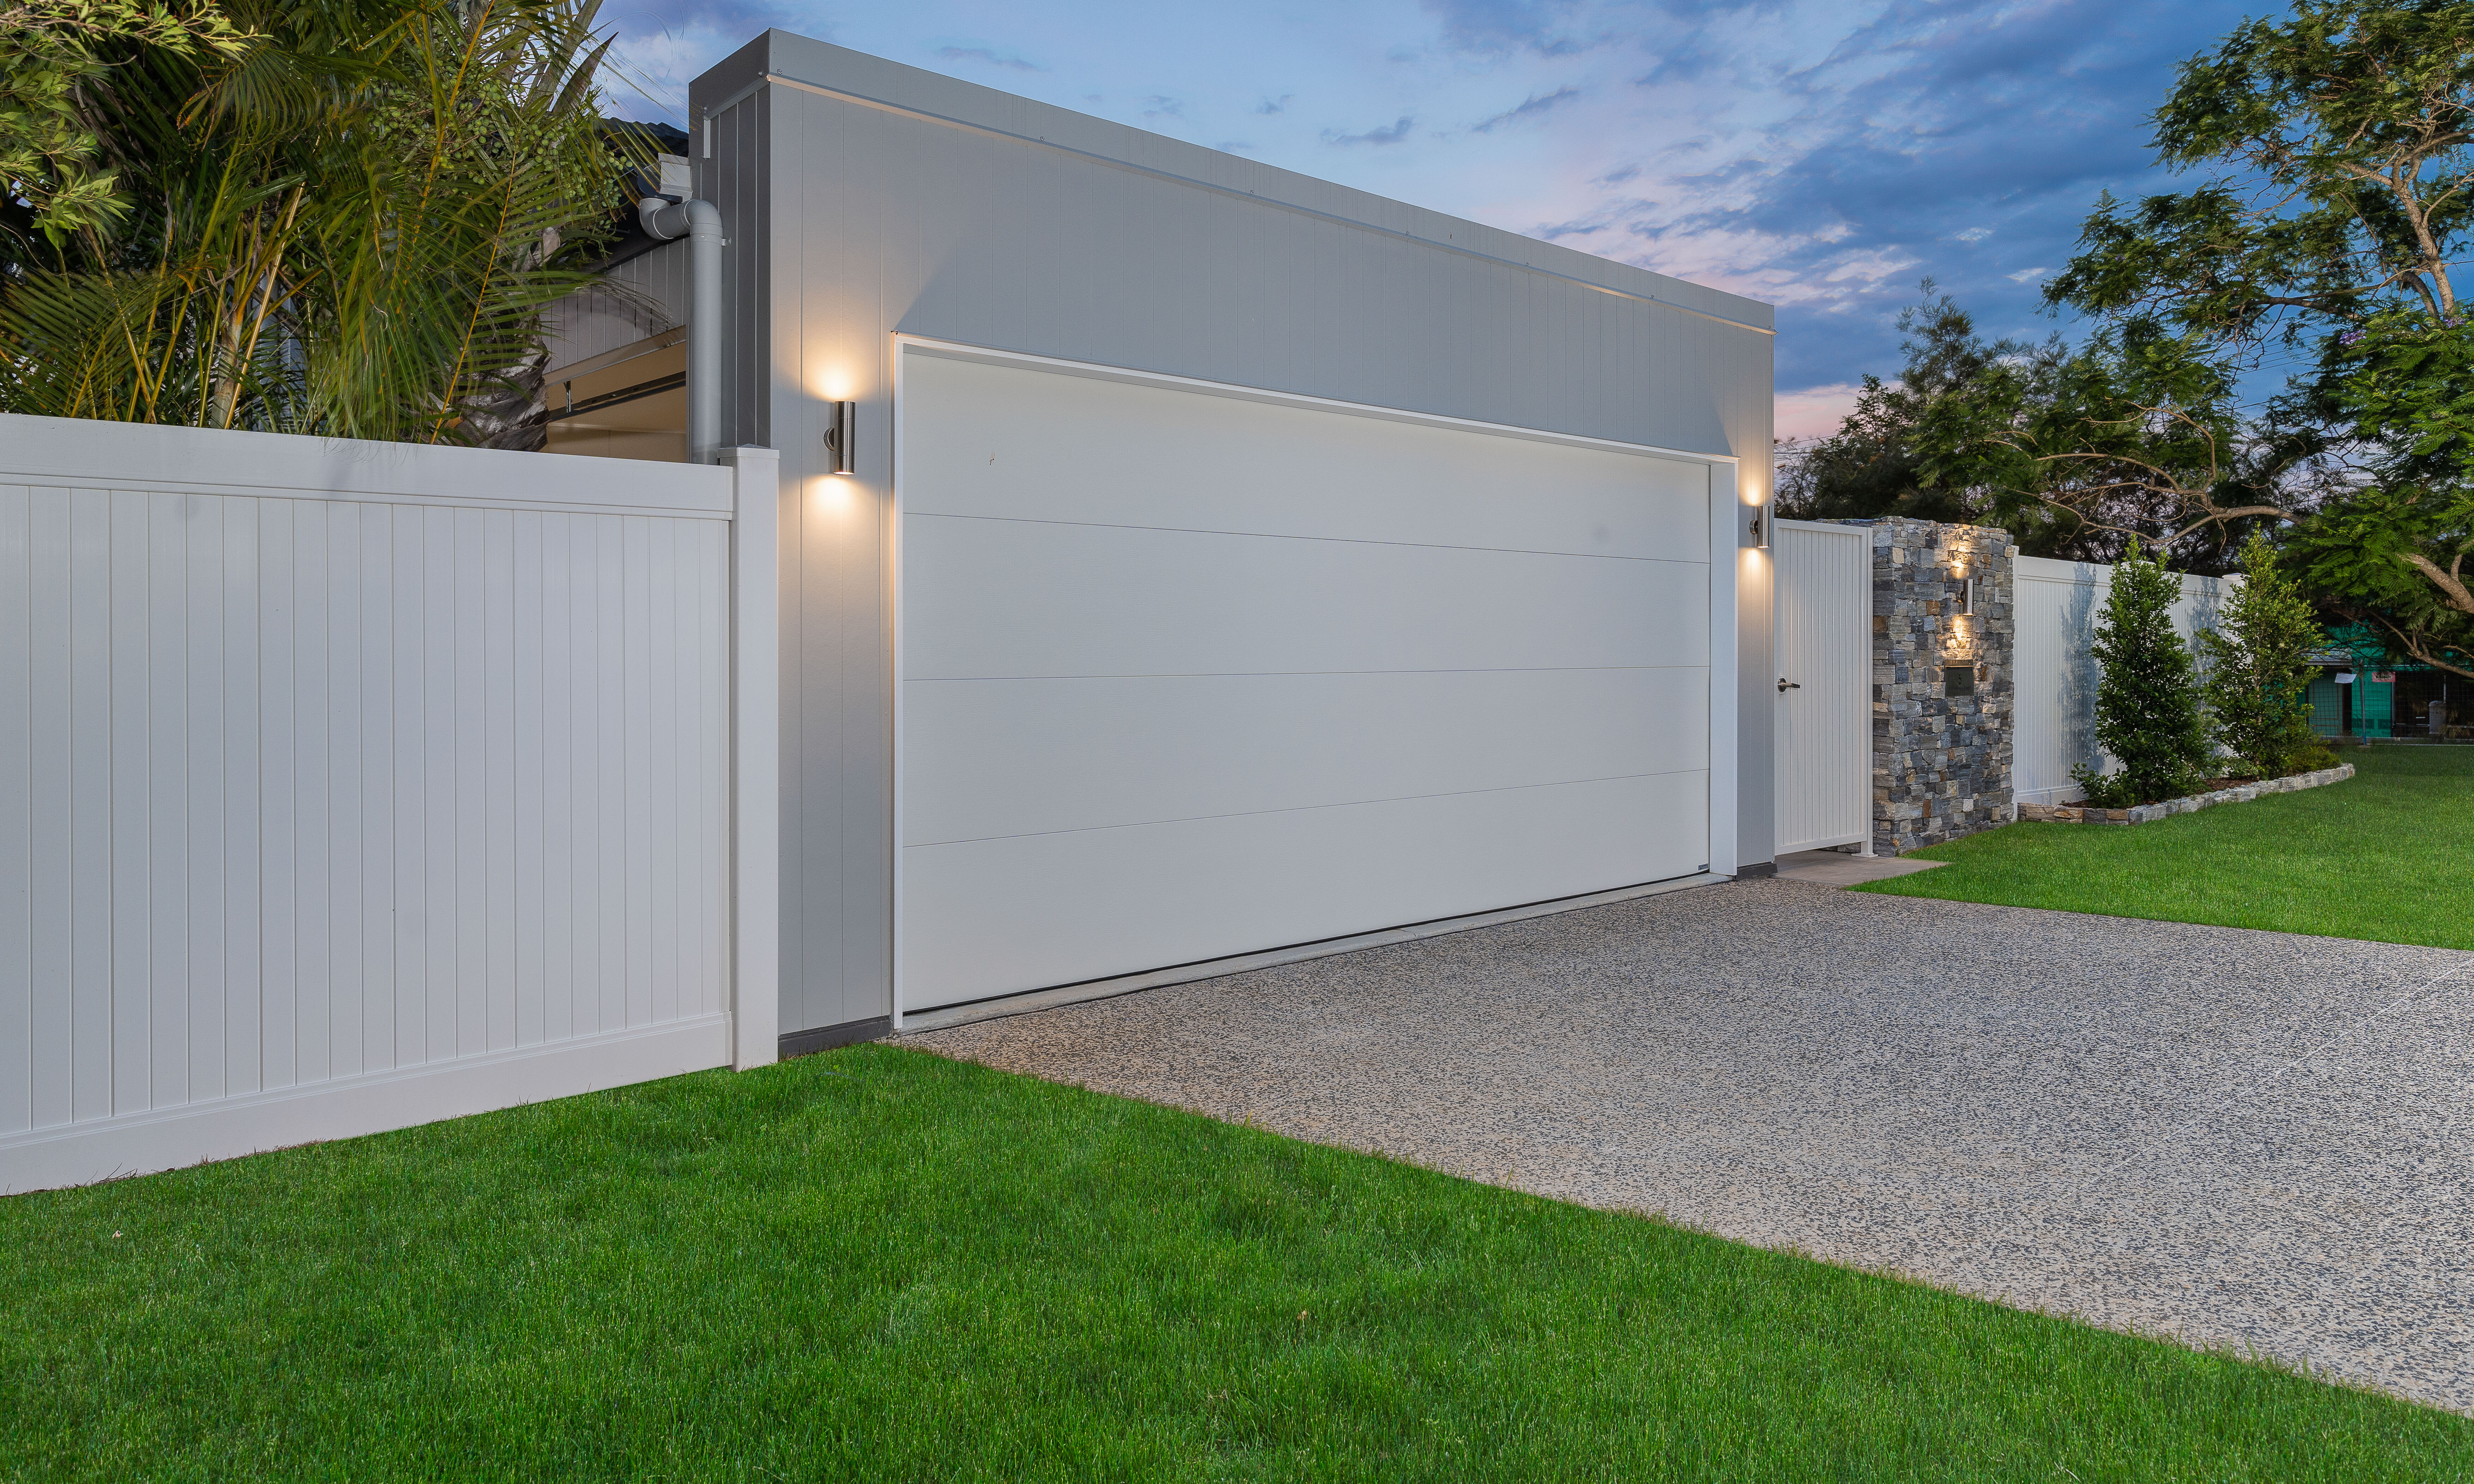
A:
(2149, 813)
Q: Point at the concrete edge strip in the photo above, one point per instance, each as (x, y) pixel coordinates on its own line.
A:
(778, 79)
(919, 1021)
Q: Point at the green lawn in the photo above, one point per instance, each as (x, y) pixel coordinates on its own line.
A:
(876, 1264)
(2388, 855)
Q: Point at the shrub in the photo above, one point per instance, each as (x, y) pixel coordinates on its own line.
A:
(2146, 701)
(2259, 666)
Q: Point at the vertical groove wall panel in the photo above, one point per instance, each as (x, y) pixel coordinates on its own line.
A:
(1822, 584)
(95, 757)
(285, 787)
(501, 799)
(2058, 606)
(67, 749)
(239, 1049)
(525, 803)
(296, 789)
(198, 527)
(19, 781)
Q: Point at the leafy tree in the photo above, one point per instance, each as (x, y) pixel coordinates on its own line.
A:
(2135, 436)
(2341, 144)
(2147, 702)
(351, 227)
(2259, 669)
(2393, 552)
(51, 159)
(1872, 464)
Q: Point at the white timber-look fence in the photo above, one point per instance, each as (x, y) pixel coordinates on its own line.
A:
(346, 787)
(2057, 606)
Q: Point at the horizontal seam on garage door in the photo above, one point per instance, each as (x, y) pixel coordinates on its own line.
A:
(1232, 675)
(1277, 536)
(1306, 808)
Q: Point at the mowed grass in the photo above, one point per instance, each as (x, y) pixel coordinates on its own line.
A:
(2388, 855)
(877, 1264)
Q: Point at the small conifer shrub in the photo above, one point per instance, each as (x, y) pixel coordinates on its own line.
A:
(2148, 711)
(2257, 656)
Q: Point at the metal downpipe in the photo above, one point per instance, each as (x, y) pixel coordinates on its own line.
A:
(700, 223)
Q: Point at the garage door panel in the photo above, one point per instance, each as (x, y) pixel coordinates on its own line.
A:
(997, 757)
(1000, 441)
(993, 917)
(1014, 598)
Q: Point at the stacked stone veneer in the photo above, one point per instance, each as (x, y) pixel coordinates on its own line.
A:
(1941, 765)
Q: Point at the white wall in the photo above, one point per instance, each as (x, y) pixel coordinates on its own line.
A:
(2058, 604)
(345, 786)
(867, 200)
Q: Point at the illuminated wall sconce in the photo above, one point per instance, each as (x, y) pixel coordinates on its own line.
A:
(840, 434)
(1761, 527)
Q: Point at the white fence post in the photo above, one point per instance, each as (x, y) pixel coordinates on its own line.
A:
(754, 747)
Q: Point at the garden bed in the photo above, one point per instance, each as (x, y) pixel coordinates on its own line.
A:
(2148, 813)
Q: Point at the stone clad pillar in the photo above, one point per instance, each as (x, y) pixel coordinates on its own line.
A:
(1944, 685)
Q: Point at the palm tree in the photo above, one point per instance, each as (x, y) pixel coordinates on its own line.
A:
(350, 227)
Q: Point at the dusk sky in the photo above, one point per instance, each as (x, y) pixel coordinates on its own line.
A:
(1822, 158)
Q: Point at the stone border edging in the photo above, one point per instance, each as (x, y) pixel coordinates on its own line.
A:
(2149, 813)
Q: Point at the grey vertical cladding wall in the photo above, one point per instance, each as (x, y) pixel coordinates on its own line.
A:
(879, 199)
(1941, 764)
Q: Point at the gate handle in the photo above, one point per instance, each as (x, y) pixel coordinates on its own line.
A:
(1785, 684)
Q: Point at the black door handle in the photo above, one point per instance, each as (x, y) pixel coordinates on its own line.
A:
(1785, 684)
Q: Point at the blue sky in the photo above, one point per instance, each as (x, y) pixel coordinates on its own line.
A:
(1821, 156)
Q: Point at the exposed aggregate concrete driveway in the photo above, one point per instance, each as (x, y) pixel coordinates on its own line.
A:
(2241, 1138)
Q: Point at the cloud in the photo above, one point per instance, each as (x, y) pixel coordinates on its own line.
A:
(1496, 27)
(1812, 153)
(1815, 412)
(989, 55)
(1688, 60)
(1538, 102)
(1392, 135)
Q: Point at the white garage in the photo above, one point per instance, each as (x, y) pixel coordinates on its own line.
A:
(1186, 671)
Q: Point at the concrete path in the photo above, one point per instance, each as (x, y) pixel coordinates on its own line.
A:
(1837, 867)
(2238, 1139)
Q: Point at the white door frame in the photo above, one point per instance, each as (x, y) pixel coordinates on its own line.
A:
(1726, 518)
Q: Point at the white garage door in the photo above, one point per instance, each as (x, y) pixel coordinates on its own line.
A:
(1186, 675)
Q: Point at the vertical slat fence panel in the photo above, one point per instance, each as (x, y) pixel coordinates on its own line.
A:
(314, 796)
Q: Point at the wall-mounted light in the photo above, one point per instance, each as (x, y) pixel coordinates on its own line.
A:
(1761, 527)
(840, 421)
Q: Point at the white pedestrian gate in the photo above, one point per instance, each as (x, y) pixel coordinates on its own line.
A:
(1825, 658)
